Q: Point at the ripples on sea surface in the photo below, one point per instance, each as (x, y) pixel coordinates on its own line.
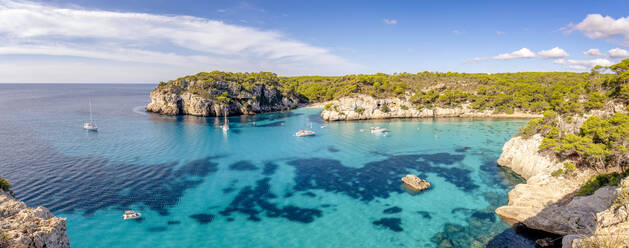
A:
(257, 186)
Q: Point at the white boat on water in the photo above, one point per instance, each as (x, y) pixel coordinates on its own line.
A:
(378, 130)
(130, 214)
(90, 126)
(225, 123)
(304, 132)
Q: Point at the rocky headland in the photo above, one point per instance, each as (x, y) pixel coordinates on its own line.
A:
(21, 226)
(192, 96)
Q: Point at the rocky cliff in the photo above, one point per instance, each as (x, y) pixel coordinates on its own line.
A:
(200, 98)
(21, 226)
(361, 107)
(549, 203)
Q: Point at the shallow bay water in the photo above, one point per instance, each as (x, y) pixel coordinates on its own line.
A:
(258, 185)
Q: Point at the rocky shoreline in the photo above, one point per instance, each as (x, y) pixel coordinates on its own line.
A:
(364, 107)
(21, 226)
(549, 203)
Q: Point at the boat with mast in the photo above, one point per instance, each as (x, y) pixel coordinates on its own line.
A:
(90, 126)
(225, 123)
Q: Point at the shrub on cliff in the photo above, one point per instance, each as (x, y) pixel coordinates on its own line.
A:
(543, 125)
(598, 181)
(5, 186)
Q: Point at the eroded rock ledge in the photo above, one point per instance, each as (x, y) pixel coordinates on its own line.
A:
(21, 226)
(362, 107)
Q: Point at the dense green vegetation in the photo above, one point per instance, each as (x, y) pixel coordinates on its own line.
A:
(600, 143)
(562, 92)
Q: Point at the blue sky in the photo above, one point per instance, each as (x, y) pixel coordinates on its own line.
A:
(150, 41)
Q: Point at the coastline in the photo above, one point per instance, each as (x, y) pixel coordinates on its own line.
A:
(544, 202)
(364, 107)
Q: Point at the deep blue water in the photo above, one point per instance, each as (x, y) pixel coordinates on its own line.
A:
(258, 185)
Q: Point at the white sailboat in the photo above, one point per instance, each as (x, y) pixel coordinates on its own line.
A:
(90, 126)
(226, 124)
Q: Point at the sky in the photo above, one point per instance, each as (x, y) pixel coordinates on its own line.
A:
(147, 41)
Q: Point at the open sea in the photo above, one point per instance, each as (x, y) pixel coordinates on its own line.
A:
(256, 186)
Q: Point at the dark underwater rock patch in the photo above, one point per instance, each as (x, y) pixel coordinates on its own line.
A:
(392, 210)
(156, 229)
(375, 179)
(242, 165)
(255, 201)
(424, 214)
(393, 224)
(203, 218)
(461, 149)
(173, 222)
(333, 149)
(476, 231)
(269, 168)
(486, 216)
(309, 194)
(272, 124)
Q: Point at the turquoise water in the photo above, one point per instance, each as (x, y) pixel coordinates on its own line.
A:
(258, 185)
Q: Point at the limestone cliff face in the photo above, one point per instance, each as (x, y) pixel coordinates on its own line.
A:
(183, 99)
(21, 226)
(362, 107)
(521, 156)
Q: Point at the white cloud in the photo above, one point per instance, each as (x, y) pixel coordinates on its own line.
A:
(28, 28)
(554, 53)
(594, 52)
(500, 32)
(618, 53)
(522, 53)
(581, 65)
(390, 21)
(596, 26)
(559, 61)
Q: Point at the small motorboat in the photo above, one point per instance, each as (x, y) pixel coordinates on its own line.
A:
(304, 132)
(130, 214)
(378, 130)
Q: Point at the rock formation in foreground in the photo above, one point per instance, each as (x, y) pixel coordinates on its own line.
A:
(363, 107)
(199, 97)
(549, 203)
(21, 226)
